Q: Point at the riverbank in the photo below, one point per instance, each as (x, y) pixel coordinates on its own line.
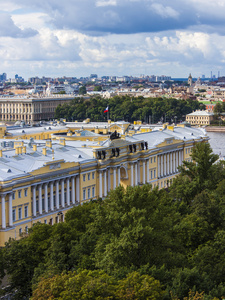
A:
(215, 128)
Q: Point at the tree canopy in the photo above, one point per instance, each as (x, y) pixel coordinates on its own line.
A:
(137, 243)
(127, 108)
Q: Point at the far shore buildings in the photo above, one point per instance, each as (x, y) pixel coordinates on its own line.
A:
(41, 179)
(31, 108)
(200, 117)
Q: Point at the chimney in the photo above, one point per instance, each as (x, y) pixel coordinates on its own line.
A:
(48, 144)
(44, 151)
(62, 142)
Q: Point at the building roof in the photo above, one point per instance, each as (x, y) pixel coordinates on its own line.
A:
(14, 165)
(201, 113)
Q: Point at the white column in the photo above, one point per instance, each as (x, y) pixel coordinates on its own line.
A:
(73, 189)
(34, 201)
(168, 164)
(136, 173)
(164, 160)
(109, 180)
(40, 199)
(180, 161)
(57, 194)
(147, 170)
(118, 176)
(3, 212)
(100, 184)
(143, 166)
(114, 178)
(51, 196)
(78, 189)
(161, 157)
(10, 210)
(174, 162)
(105, 183)
(182, 156)
(68, 191)
(171, 163)
(46, 197)
(62, 193)
(159, 166)
(132, 174)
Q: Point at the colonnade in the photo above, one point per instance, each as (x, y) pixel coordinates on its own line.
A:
(66, 197)
(168, 163)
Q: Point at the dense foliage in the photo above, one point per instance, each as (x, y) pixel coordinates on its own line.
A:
(127, 108)
(138, 243)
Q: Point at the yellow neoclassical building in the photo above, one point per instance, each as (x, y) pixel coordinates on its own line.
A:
(41, 180)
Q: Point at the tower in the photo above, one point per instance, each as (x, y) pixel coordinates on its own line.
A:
(190, 80)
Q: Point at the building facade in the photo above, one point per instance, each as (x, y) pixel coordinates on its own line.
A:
(200, 117)
(30, 109)
(40, 181)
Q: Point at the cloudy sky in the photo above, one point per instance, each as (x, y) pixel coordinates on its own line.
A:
(112, 37)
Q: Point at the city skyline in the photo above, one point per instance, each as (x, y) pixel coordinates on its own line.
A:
(126, 37)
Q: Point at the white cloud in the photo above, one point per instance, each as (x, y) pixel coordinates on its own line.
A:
(8, 28)
(106, 3)
(165, 11)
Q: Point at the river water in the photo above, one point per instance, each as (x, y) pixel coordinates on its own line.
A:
(217, 142)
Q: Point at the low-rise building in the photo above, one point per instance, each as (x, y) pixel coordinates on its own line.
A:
(200, 117)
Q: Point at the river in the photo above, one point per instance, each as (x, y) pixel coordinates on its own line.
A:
(217, 142)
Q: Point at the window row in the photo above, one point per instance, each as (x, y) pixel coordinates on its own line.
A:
(20, 213)
(153, 174)
(25, 193)
(88, 193)
(88, 176)
(153, 159)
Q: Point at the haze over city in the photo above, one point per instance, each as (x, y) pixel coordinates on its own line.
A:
(126, 37)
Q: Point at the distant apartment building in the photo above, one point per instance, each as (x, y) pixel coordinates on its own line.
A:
(3, 77)
(200, 117)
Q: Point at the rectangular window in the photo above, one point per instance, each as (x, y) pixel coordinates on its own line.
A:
(25, 192)
(84, 194)
(19, 194)
(154, 174)
(20, 231)
(25, 211)
(154, 159)
(13, 196)
(151, 160)
(84, 177)
(14, 215)
(89, 193)
(151, 174)
(19, 213)
(93, 175)
(93, 191)
(89, 176)
(26, 229)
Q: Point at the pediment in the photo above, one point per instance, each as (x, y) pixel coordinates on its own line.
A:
(169, 141)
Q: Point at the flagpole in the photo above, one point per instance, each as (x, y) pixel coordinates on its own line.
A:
(108, 115)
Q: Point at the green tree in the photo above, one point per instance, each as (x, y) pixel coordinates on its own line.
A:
(139, 287)
(200, 172)
(22, 256)
(82, 90)
(97, 88)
